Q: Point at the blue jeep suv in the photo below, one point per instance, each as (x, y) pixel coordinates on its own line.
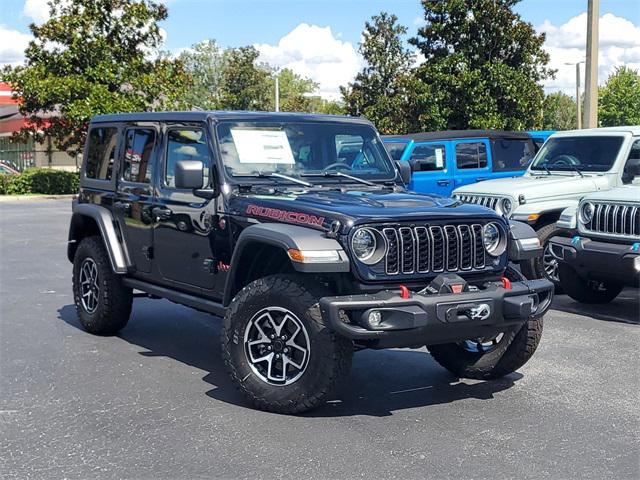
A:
(443, 161)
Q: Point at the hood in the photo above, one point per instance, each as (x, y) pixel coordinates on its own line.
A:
(533, 187)
(321, 208)
(628, 193)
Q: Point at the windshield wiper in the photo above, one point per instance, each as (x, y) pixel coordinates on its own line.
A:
(544, 166)
(576, 169)
(283, 176)
(340, 174)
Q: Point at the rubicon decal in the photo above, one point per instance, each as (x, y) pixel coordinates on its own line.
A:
(285, 216)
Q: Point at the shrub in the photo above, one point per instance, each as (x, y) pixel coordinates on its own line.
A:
(40, 180)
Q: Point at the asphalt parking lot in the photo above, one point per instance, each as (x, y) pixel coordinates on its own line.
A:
(154, 402)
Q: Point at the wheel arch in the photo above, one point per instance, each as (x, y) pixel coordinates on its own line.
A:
(88, 220)
(262, 250)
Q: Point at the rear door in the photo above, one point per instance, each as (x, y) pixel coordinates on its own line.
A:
(182, 245)
(472, 161)
(431, 170)
(134, 194)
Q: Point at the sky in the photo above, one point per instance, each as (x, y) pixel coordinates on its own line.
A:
(319, 38)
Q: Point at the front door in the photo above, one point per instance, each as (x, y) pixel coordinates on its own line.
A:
(134, 198)
(431, 172)
(183, 223)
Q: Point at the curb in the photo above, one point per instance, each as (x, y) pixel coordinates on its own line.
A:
(26, 198)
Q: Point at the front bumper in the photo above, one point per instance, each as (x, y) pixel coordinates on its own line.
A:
(595, 260)
(432, 319)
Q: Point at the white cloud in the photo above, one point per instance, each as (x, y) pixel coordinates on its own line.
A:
(36, 10)
(619, 44)
(12, 46)
(315, 52)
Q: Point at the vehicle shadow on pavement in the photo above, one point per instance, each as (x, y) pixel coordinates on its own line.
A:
(625, 308)
(380, 383)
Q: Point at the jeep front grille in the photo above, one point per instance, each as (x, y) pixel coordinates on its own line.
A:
(484, 200)
(435, 248)
(615, 219)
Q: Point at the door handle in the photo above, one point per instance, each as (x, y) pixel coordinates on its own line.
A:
(124, 207)
(161, 213)
(443, 183)
(480, 179)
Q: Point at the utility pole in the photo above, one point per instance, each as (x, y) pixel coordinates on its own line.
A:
(591, 74)
(277, 94)
(578, 102)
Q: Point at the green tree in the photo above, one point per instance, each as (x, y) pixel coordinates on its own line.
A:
(295, 91)
(245, 85)
(619, 98)
(385, 91)
(483, 64)
(559, 112)
(205, 62)
(93, 57)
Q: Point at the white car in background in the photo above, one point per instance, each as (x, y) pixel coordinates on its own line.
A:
(569, 165)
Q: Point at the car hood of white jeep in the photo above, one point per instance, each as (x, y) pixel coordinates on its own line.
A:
(532, 187)
(628, 193)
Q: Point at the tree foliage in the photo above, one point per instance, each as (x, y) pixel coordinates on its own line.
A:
(93, 57)
(559, 112)
(619, 99)
(483, 64)
(385, 90)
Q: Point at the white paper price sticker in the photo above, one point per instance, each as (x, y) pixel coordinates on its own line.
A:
(439, 158)
(262, 146)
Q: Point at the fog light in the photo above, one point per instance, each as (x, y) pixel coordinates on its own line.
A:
(375, 317)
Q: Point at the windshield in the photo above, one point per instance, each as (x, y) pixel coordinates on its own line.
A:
(586, 154)
(303, 148)
(395, 149)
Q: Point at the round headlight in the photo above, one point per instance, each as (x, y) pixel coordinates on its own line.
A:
(363, 244)
(506, 205)
(494, 240)
(586, 212)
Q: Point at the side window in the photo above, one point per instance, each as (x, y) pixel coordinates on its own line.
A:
(186, 144)
(101, 153)
(138, 159)
(471, 155)
(428, 158)
(512, 154)
(631, 172)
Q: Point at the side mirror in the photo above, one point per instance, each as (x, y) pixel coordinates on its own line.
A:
(405, 171)
(188, 174)
(631, 170)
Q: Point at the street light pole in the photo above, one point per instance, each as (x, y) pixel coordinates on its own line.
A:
(578, 102)
(591, 74)
(277, 94)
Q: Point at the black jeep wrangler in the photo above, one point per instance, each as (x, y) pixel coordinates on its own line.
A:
(297, 229)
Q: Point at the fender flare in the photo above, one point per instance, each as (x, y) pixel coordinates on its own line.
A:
(523, 242)
(286, 237)
(118, 256)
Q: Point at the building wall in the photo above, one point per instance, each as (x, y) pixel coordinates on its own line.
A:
(21, 155)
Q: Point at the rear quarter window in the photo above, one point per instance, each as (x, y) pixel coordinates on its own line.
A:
(101, 153)
(512, 154)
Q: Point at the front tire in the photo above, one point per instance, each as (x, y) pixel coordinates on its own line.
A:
(585, 291)
(103, 303)
(277, 349)
(545, 266)
(486, 359)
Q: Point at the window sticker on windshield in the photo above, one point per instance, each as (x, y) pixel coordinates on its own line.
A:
(262, 146)
(439, 158)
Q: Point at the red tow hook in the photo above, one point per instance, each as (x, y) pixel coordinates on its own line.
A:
(506, 283)
(404, 292)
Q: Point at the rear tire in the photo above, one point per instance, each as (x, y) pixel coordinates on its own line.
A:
(585, 291)
(545, 266)
(277, 349)
(103, 303)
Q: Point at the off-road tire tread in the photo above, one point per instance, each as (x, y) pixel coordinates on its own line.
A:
(292, 286)
(115, 300)
(520, 350)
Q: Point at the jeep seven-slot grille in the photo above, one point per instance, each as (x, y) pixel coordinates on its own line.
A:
(436, 248)
(484, 200)
(616, 219)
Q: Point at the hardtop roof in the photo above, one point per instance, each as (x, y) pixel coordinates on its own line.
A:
(456, 134)
(200, 116)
